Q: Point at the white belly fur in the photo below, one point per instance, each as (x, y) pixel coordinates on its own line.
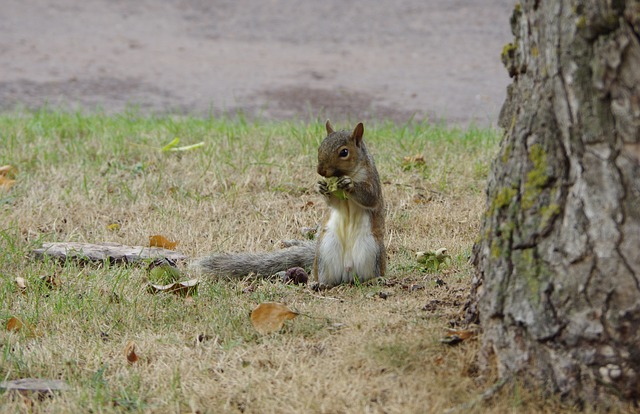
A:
(347, 250)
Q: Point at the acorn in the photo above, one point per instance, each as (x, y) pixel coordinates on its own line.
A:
(297, 276)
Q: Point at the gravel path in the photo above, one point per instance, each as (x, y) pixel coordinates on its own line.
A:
(355, 60)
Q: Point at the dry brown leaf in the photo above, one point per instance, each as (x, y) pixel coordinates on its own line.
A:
(161, 241)
(462, 333)
(185, 288)
(14, 324)
(6, 183)
(130, 352)
(270, 317)
(307, 205)
(421, 198)
(418, 158)
(7, 171)
(413, 161)
(50, 281)
(454, 336)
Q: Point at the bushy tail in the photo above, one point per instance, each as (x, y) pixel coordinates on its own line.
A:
(264, 264)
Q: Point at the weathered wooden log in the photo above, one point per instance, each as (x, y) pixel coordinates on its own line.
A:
(36, 385)
(104, 252)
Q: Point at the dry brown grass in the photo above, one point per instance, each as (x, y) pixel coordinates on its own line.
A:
(357, 349)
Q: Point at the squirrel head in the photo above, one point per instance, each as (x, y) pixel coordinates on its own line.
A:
(341, 152)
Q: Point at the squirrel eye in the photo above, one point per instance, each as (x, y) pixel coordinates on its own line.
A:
(344, 152)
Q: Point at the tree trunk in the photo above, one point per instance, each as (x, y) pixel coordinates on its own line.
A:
(557, 288)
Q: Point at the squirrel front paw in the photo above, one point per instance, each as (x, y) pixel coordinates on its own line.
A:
(345, 183)
(323, 188)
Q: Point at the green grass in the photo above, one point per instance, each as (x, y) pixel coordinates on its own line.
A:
(249, 186)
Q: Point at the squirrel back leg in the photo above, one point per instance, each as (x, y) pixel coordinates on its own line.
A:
(328, 266)
(334, 264)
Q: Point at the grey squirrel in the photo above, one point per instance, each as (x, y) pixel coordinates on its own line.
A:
(350, 246)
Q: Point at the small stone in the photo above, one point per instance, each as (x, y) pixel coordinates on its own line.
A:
(614, 371)
(607, 351)
(604, 373)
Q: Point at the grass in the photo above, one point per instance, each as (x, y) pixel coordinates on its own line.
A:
(368, 348)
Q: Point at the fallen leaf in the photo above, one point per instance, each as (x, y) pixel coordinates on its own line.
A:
(22, 284)
(161, 241)
(421, 198)
(188, 147)
(409, 163)
(163, 271)
(307, 205)
(50, 281)
(8, 171)
(184, 288)
(416, 159)
(113, 227)
(442, 252)
(434, 260)
(14, 324)
(170, 145)
(270, 317)
(130, 352)
(6, 183)
(454, 336)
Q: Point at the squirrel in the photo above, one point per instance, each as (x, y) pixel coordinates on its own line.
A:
(350, 246)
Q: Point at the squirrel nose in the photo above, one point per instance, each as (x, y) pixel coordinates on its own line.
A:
(322, 171)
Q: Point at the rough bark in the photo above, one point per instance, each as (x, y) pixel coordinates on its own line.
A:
(557, 288)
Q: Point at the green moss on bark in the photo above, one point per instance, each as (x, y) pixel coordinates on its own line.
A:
(537, 177)
(531, 270)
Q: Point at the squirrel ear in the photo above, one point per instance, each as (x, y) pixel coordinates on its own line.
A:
(357, 133)
(329, 127)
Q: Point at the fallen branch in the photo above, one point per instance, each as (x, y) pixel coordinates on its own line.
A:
(104, 252)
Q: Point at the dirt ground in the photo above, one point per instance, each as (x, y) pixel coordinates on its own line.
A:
(275, 59)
